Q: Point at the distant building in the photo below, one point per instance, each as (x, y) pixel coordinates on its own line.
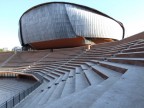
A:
(15, 49)
(5, 49)
(60, 24)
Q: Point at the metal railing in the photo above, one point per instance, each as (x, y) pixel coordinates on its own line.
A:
(10, 103)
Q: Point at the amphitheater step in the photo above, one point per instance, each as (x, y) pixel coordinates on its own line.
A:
(126, 92)
(70, 67)
(65, 77)
(78, 70)
(59, 71)
(93, 77)
(47, 79)
(35, 99)
(59, 79)
(84, 98)
(64, 68)
(105, 72)
(34, 95)
(137, 45)
(89, 64)
(53, 76)
(131, 61)
(72, 73)
(69, 87)
(137, 49)
(81, 81)
(48, 76)
(47, 95)
(52, 82)
(84, 67)
(54, 73)
(131, 55)
(57, 92)
(111, 66)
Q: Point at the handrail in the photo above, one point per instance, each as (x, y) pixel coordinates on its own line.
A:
(10, 103)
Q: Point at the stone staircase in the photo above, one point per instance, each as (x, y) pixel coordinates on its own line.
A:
(107, 76)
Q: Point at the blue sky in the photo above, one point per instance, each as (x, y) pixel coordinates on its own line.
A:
(129, 12)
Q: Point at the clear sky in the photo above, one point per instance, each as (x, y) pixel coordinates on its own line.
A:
(129, 12)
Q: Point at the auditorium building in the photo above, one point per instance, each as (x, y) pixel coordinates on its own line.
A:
(60, 25)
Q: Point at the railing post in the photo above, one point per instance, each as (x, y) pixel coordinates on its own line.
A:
(6, 104)
(13, 101)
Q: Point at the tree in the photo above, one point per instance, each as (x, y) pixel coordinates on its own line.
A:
(1, 50)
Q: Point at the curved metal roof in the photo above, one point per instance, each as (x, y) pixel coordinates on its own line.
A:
(85, 7)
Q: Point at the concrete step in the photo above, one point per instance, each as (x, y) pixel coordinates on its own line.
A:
(53, 76)
(53, 82)
(81, 81)
(95, 52)
(69, 87)
(72, 73)
(78, 70)
(59, 71)
(137, 49)
(74, 64)
(56, 74)
(105, 72)
(123, 68)
(67, 69)
(65, 77)
(46, 78)
(92, 57)
(67, 66)
(57, 92)
(58, 80)
(48, 68)
(86, 97)
(47, 95)
(93, 77)
(127, 92)
(111, 66)
(110, 48)
(137, 45)
(131, 61)
(89, 64)
(84, 67)
(32, 96)
(35, 99)
(131, 54)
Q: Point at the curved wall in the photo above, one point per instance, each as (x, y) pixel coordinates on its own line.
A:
(54, 21)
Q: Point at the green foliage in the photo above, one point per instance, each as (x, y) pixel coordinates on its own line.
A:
(1, 50)
(4, 50)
